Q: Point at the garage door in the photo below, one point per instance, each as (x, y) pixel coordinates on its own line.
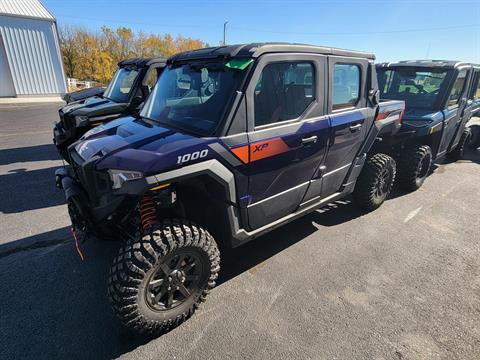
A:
(6, 83)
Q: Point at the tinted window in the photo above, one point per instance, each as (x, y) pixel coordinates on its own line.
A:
(119, 88)
(283, 92)
(151, 78)
(457, 88)
(346, 86)
(419, 88)
(477, 90)
(192, 96)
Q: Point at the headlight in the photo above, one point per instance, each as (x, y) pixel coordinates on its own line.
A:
(81, 120)
(119, 177)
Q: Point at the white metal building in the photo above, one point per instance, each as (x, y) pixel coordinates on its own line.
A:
(30, 58)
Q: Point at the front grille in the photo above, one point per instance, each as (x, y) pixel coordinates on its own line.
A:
(67, 121)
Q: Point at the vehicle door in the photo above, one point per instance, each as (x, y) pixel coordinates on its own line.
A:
(287, 131)
(465, 110)
(350, 117)
(456, 103)
(475, 95)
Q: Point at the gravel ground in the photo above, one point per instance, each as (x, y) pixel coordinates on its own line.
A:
(402, 282)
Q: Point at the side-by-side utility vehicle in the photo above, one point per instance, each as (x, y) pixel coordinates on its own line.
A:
(437, 107)
(83, 94)
(474, 123)
(124, 95)
(233, 142)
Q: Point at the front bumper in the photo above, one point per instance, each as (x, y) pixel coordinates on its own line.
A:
(60, 135)
(88, 205)
(77, 199)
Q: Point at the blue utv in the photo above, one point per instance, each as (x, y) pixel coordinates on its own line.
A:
(233, 142)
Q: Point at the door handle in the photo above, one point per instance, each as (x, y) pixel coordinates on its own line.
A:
(310, 140)
(354, 128)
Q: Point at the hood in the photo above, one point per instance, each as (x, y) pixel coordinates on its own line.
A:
(92, 106)
(135, 144)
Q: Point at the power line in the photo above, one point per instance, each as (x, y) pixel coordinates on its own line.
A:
(359, 32)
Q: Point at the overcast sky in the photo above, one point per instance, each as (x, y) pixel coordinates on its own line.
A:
(393, 30)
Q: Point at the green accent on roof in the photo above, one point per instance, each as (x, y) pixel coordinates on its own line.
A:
(240, 64)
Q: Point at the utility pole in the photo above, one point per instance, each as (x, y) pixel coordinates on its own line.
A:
(225, 32)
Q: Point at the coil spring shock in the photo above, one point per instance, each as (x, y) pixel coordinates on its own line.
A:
(147, 211)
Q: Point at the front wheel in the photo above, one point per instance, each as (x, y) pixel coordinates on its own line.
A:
(375, 182)
(158, 281)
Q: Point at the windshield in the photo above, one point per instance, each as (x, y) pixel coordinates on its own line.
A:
(419, 88)
(121, 85)
(193, 96)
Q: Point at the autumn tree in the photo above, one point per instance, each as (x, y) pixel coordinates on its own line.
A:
(95, 55)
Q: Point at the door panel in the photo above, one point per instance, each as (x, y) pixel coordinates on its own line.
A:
(453, 114)
(462, 121)
(449, 126)
(281, 168)
(349, 125)
(284, 153)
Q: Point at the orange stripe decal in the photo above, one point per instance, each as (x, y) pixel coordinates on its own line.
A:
(267, 148)
(242, 153)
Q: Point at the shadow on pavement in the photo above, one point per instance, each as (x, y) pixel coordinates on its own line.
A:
(55, 306)
(27, 154)
(45, 239)
(28, 190)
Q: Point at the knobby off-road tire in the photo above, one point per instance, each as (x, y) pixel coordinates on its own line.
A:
(474, 142)
(414, 166)
(457, 153)
(177, 259)
(375, 182)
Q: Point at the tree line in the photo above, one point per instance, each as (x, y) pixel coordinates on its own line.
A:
(90, 55)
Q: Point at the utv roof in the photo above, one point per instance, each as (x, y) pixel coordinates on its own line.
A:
(143, 61)
(254, 50)
(446, 64)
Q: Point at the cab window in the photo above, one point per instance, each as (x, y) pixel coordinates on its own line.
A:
(477, 90)
(151, 78)
(457, 89)
(346, 86)
(283, 91)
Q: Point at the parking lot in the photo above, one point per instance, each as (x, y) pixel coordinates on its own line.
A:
(402, 282)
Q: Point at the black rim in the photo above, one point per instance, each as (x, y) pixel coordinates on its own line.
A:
(383, 183)
(423, 168)
(176, 279)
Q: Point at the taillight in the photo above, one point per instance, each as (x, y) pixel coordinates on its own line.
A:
(381, 116)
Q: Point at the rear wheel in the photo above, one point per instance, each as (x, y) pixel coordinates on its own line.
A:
(457, 153)
(414, 166)
(474, 142)
(375, 182)
(158, 281)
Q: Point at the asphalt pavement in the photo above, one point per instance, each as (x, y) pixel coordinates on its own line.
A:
(402, 282)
